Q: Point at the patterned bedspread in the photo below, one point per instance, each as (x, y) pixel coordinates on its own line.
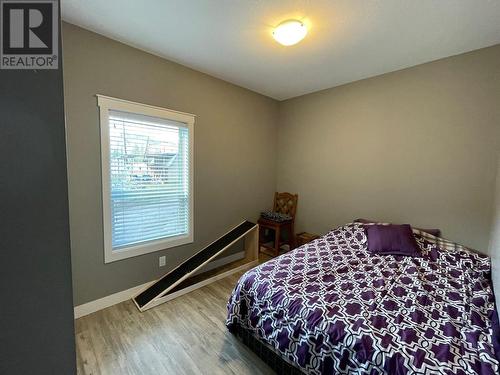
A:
(331, 307)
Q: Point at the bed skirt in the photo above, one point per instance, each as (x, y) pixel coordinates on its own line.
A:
(275, 361)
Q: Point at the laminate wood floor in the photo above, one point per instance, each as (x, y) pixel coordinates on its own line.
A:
(186, 335)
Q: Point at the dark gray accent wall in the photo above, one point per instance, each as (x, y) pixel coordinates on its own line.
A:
(36, 309)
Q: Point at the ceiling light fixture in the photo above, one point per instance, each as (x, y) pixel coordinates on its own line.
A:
(290, 32)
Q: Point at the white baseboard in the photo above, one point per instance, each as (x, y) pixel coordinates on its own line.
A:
(104, 302)
(113, 299)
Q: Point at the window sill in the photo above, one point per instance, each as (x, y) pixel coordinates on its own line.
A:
(111, 255)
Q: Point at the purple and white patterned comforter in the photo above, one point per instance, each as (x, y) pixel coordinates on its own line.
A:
(331, 307)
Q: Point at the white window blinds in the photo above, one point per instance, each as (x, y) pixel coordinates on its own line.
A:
(149, 178)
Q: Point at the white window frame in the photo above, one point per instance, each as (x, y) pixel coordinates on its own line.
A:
(106, 104)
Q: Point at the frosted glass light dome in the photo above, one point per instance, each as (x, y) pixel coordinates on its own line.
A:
(290, 32)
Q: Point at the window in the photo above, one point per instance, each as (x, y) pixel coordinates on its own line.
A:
(147, 178)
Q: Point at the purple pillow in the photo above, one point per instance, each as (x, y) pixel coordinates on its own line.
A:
(434, 232)
(392, 239)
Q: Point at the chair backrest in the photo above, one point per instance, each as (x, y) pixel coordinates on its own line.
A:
(285, 203)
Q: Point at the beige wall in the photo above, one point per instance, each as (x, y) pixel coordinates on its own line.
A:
(418, 145)
(234, 154)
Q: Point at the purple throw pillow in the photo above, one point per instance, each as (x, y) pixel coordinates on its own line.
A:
(392, 239)
(434, 232)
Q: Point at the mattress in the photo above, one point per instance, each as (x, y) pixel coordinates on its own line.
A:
(331, 307)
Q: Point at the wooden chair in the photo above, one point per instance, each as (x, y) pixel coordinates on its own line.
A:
(284, 203)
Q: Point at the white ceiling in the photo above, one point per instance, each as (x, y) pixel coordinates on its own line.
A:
(348, 39)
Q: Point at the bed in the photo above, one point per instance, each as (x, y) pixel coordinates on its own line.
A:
(332, 307)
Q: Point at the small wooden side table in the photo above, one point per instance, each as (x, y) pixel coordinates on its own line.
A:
(304, 237)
